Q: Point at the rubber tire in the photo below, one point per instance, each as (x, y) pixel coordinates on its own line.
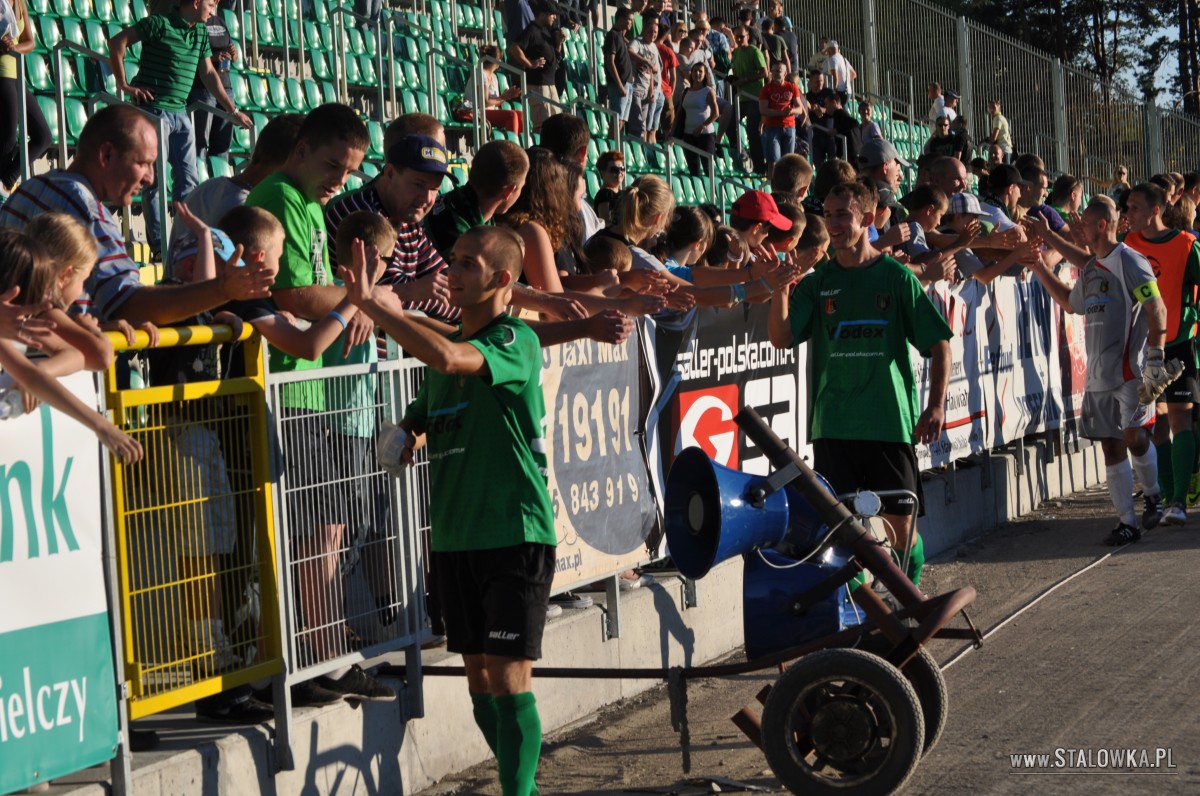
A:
(926, 678)
(890, 690)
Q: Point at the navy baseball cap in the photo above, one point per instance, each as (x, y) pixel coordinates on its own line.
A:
(420, 153)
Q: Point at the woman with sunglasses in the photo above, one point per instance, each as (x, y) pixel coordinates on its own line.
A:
(611, 167)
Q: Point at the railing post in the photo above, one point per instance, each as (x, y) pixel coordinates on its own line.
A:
(23, 120)
(1059, 87)
(1153, 138)
(966, 93)
(870, 48)
(60, 96)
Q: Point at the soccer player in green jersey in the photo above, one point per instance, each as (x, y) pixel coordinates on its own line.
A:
(493, 538)
(861, 313)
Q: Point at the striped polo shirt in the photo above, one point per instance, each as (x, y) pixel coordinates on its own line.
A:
(171, 51)
(115, 276)
(413, 258)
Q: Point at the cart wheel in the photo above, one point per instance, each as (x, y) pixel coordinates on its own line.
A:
(926, 678)
(842, 721)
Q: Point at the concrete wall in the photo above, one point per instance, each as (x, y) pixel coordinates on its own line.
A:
(371, 749)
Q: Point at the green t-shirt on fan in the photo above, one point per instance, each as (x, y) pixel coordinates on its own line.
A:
(172, 50)
(487, 445)
(860, 323)
(302, 264)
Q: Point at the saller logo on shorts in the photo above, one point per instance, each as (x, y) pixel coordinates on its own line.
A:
(504, 635)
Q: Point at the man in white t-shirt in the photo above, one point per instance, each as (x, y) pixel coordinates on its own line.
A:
(841, 74)
(647, 80)
(1000, 134)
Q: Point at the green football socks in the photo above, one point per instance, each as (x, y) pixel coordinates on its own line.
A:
(1166, 471)
(518, 743)
(487, 716)
(1183, 453)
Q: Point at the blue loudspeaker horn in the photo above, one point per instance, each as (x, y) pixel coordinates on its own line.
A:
(713, 513)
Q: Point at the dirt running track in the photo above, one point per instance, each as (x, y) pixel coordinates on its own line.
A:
(1108, 659)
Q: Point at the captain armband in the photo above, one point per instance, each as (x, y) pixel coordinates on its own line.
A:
(1144, 293)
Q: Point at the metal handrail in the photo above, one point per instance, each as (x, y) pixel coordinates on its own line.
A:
(388, 21)
(23, 121)
(60, 96)
(479, 106)
(615, 117)
(213, 110)
(745, 186)
(340, 55)
(709, 156)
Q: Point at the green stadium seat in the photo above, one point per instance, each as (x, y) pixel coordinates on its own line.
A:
(366, 71)
(353, 183)
(312, 94)
(239, 89)
(232, 23)
(593, 182)
(49, 33)
(72, 30)
(219, 167)
(123, 12)
(329, 92)
(38, 74)
(49, 108)
(370, 168)
(77, 117)
(375, 129)
(63, 8)
(317, 40)
(700, 188)
(353, 76)
(40, 8)
(320, 13)
(260, 95)
(320, 65)
(268, 34)
(408, 98)
(139, 10)
(412, 75)
(296, 99)
(422, 100)
(202, 174)
(278, 94)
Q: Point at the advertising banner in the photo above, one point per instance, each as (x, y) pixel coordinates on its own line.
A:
(603, 510)
(58, 709)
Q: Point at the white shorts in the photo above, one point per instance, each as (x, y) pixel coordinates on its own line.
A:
(1106, 415)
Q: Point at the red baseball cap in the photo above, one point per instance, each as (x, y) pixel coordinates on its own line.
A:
(760, 206)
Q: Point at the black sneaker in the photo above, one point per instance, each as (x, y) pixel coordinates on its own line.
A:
(1152, 514)
(1123, 534)
(358, 685)
(244, 709)
(312, 694)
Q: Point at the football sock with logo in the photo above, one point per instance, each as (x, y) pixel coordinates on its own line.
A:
(1120, 490)
(1146, 469)
(1183, 451)
(519, 743)
(1166, 473)
(487, 716)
